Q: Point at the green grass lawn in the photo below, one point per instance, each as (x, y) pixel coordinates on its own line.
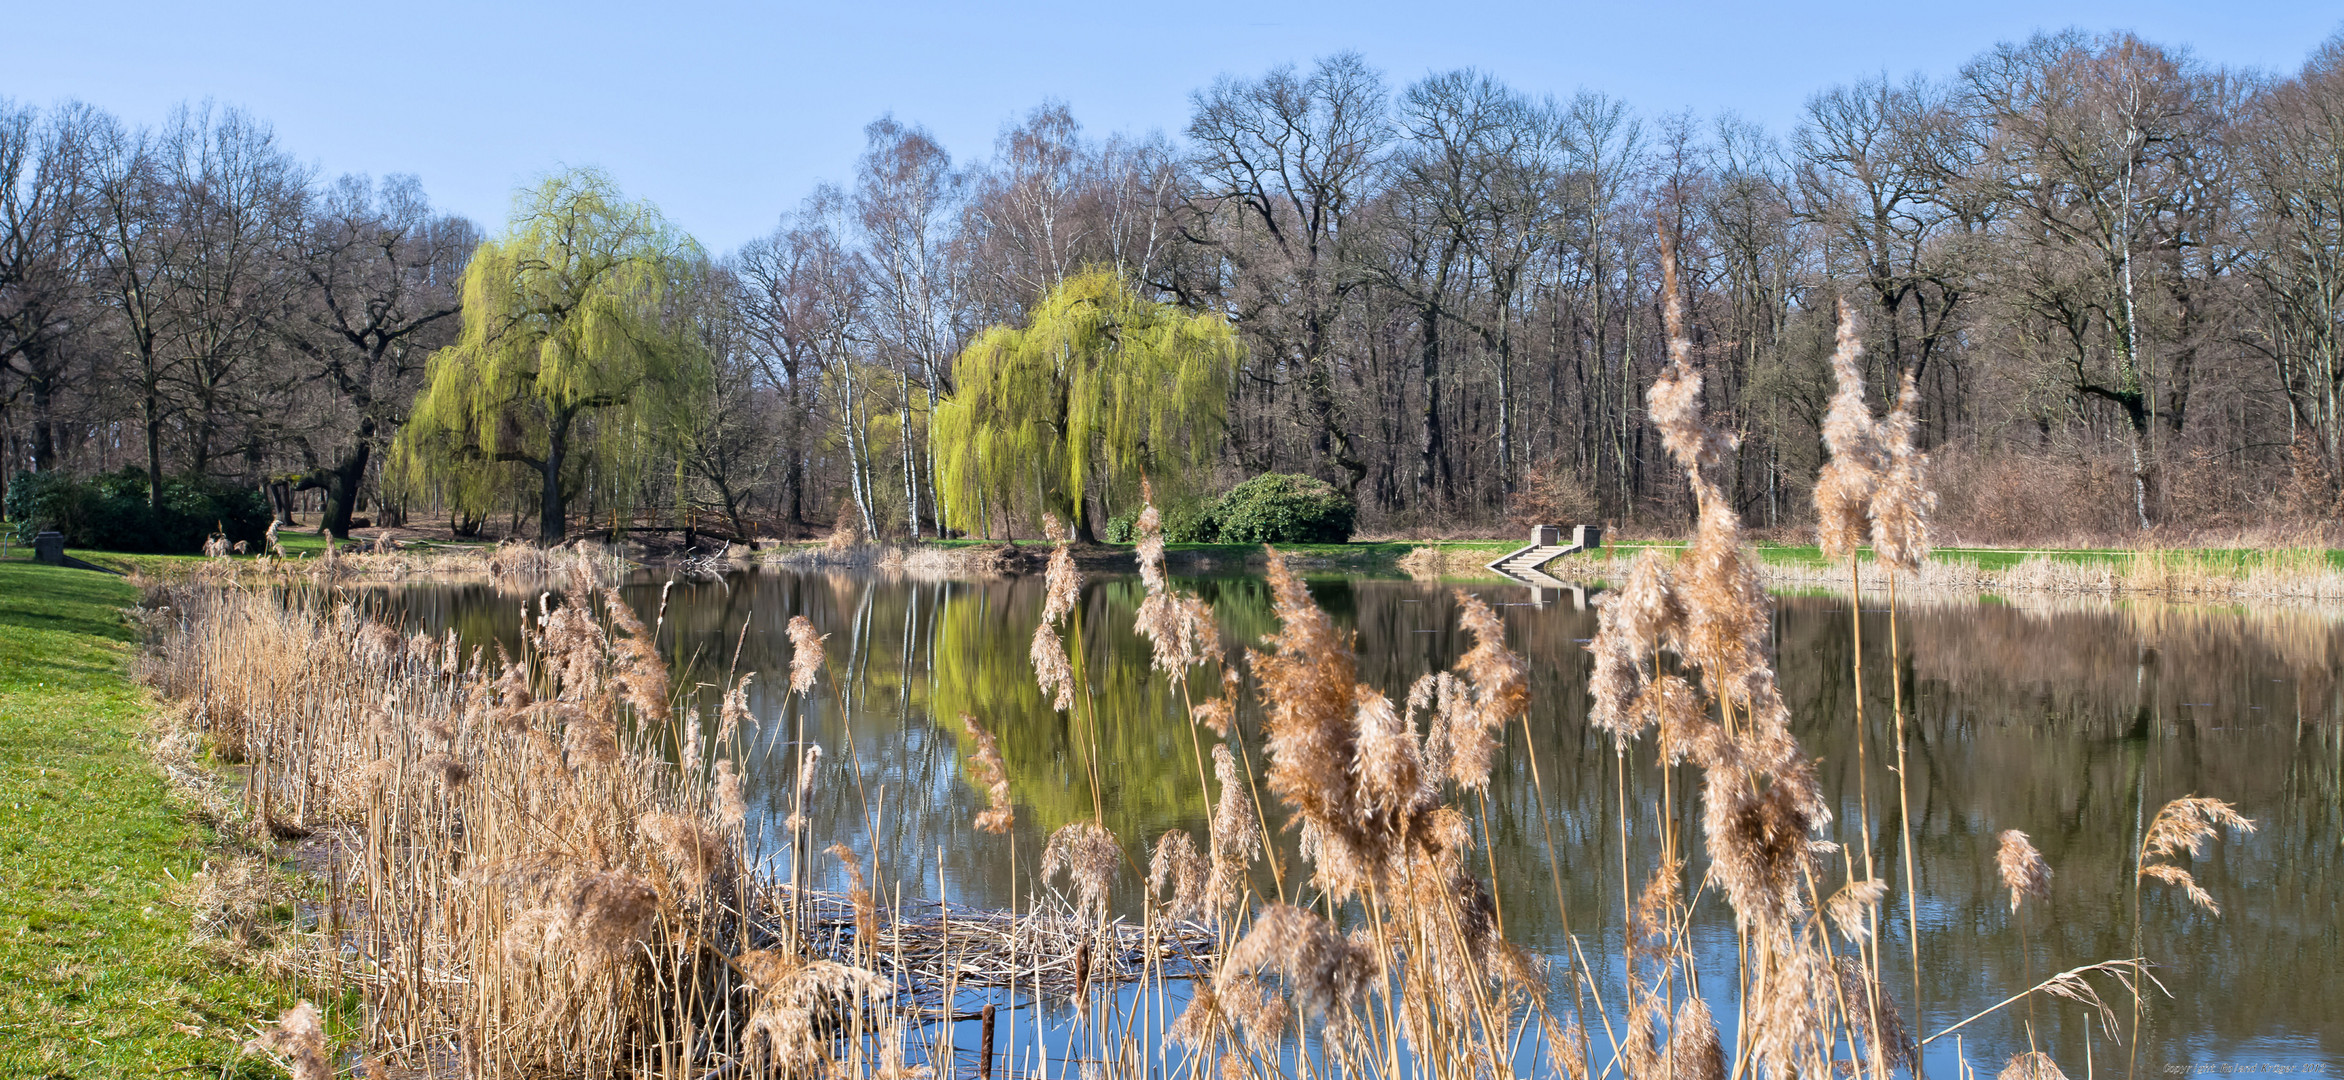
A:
(97, 976)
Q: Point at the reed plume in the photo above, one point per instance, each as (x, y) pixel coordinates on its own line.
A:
(298, 1038)
(1499, 685)
(809, 765)
(1320, 969)
(2023, 870)
(2032, 1065)
(1236, 838)
(1087, 853)
(806, 654)
(2186, 825)
(1053, 673)
(1874, 485)
(1845, 484)
(986, 768)
(1177, 875)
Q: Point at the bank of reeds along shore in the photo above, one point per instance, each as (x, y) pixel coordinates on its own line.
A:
(540, 865)
(385, 560)
(2282, 576)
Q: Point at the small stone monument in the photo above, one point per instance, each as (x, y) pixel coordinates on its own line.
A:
(49, 547)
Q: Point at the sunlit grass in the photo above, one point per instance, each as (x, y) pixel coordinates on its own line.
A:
(96, 974)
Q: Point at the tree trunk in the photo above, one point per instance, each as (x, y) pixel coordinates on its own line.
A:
(44, 428)
(552, 512)
(341, 484)
(153, 410)
(1428, 437)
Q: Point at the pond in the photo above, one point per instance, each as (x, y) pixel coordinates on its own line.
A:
(2073, 722)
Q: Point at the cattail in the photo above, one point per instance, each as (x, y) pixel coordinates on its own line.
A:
(298, 1036)
(2024, 872)
(1236, 838)
(1052, 672)
(2186, 824)
(1177, 876)
(1086, 851)
(806, 656)
(691, 750)
(986, 768)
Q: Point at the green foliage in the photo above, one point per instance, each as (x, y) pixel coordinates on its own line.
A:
(577, 356)
(1123, 528)
(1284, 508)
(1194, 523)
(1191, 522)
(111, 512)
(1102, 387)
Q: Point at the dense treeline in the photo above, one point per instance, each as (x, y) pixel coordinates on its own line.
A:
(2114, 273)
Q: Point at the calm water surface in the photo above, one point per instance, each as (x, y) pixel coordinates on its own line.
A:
(2069, 722)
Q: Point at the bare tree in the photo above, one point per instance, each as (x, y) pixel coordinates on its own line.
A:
(905, 193)
(1283, 163)
(45, 270)
(379, 289)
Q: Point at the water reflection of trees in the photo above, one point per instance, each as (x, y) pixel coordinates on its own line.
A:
(2068, 722)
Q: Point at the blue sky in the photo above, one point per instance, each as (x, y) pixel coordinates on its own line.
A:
(726, 114)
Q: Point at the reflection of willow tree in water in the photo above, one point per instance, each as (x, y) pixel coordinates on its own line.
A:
(1148, 776)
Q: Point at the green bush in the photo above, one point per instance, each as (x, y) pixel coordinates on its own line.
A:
(1123, 528)
(1187, 523)
(1283, 508)
(1195, 523)
(110, 511)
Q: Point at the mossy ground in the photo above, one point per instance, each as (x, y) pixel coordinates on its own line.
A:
(97, 974)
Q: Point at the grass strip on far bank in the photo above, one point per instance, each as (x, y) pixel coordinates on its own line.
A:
(97, 974)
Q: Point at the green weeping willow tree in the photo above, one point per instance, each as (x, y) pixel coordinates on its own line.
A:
(1101, 387)
(576, 360)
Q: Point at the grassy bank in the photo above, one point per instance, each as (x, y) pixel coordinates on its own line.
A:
(97, 976)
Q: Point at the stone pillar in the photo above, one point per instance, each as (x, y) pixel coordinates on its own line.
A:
(1546, 535)
(1588, 537)
(49, 547)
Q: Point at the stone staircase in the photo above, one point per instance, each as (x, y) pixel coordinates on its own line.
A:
(1546, 545)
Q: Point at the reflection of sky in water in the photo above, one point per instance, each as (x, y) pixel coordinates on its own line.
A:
(2066, 721)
